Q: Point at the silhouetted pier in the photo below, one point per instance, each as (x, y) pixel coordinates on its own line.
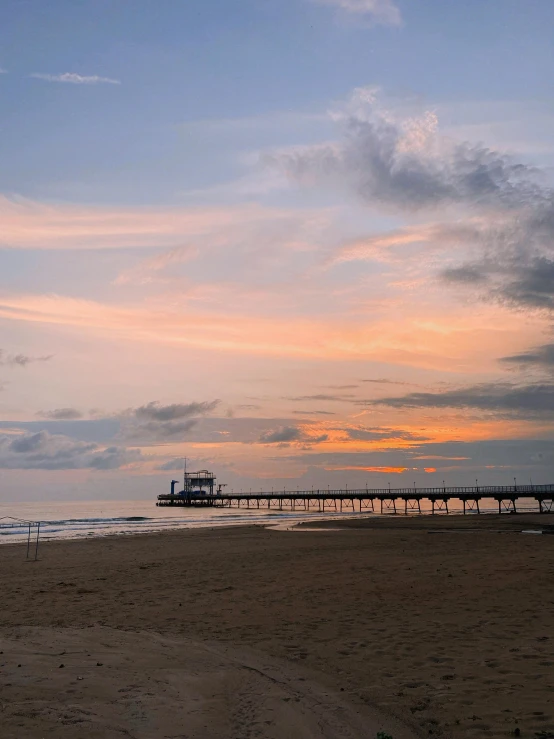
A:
(399, 500)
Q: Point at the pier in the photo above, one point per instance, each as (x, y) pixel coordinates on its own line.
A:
(399, 500)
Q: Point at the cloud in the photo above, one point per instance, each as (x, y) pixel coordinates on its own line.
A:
(367, 335)
(284, 435)
(405, 165)
(29, 224)
(281, 435)
(468, 274)
(172, 464)
(390, 247)
(45, 451)
(157, 412)
(530, 285)
(61, 414)
(457, 461)
(146, 270)
(75, 79)
(319, 397)
(21, 360)
(314, 413)
(154, 421)
(379, 434)
(392, 161)
(379, 11)
(384, 381)
(178, 463)
(517, 274)
(541, 357)
(521, 400)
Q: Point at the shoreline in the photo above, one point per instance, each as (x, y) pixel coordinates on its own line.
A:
(452, 634)
(343, 521)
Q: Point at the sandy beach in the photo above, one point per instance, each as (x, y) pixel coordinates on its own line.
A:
(412, 626)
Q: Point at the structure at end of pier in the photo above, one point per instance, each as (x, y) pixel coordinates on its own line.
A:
(195, 484)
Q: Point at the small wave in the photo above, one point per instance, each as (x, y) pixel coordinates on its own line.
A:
(135, 518)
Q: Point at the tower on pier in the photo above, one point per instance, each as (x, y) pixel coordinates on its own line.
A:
(199, 483)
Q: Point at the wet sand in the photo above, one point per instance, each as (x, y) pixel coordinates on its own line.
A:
(444, 623)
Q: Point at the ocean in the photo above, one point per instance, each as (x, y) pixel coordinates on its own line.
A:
(81, 519)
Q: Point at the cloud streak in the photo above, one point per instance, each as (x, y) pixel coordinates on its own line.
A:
(75, 79)
(440, 338)
(61, 414)
(524, 400)
(29, 224)
(385, 12)
(541, 357)
(22, 360)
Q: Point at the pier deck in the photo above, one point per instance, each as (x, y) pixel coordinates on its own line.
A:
(365, 500)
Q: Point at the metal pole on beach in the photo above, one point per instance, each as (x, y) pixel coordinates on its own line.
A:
(38, 535)
(28, 541)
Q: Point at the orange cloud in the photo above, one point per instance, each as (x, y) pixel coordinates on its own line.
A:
(383, 247)
(387, 470)
(442, 343)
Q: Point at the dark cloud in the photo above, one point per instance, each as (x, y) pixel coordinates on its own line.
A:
(536, 399)
(157, 412)
(25, 444)
(61, 414)
(530, 285)
(281, 435)
(318, 439)
(113, 458)
(517, 265)
(162, 429)
(541, 356)
(154, 421)
(465, 275)
(284, 435)
(314, 413)
(384, 381)
(378, 434)
(44, 451)
(342, 387)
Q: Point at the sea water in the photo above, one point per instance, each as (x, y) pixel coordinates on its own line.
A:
(81, 519)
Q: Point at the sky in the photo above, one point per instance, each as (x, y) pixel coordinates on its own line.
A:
(298, 242)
